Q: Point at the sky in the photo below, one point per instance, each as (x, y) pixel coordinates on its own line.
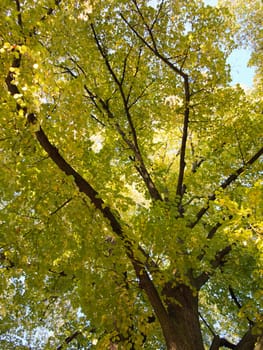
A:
(238, 60)
(240, 73)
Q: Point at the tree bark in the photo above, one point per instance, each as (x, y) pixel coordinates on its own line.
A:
(182, 308)
(249, 340)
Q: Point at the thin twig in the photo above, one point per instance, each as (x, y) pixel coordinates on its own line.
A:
(61, 206)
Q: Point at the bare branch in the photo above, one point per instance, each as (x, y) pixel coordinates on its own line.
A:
(211, 234)
(134, 75)
(157, 14)
(104, 55)
(93, 98)
(239, 146)
(213, 230)
(97, 120)
(12, 88)
(138, 97)
(67, 70)
(81, 183)
(184, 58)
(227, 344)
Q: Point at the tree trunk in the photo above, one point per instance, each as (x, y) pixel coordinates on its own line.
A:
(182, 307)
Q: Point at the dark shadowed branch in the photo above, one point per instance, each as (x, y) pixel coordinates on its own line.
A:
(235, 299)
(142, 275)
(218, 343)
(218, 261)
(19, 13)
(248, 341)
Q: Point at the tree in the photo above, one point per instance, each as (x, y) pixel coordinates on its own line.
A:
(131, 190)
(249, 35)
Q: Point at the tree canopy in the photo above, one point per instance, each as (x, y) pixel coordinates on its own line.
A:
(131, 203)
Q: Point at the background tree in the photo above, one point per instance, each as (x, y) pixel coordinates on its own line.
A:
(249, 35)
(131, 190)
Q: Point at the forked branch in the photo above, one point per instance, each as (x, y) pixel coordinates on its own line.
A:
(132, 143)
(178, 71)
(231, 178)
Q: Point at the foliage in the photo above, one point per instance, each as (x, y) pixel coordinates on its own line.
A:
(250, 33)
(131, 178)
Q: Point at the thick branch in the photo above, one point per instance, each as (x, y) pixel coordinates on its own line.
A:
(83, 186)
(213, 230)
(179, 189)
(227, 344)
(234, 298)
(221, 342)
(81, 183)
(145, 281)
(142, 275)
(248, 341)
(12, 88)
(19, 14)
(218, 261)
(148, 286)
